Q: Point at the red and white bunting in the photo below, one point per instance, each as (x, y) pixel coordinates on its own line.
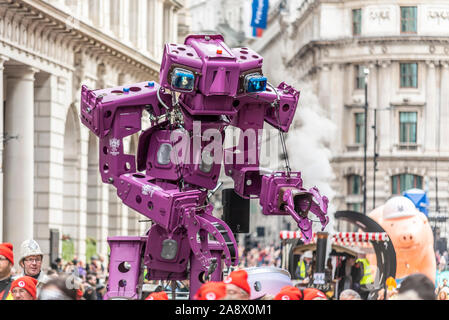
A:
(341, 237)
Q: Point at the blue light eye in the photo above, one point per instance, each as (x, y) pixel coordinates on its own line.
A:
(182, 80)
(255, 83)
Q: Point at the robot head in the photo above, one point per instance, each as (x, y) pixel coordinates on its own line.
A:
(205, 65)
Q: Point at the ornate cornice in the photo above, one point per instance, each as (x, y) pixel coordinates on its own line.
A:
(384, 42)
(42, 29)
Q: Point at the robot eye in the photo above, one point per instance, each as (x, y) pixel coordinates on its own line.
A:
(182, 80)
(255, 82)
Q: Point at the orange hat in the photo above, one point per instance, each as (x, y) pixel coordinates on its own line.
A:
(312, 293)
(28, 283)
(240, 279)
(211, 291)
(157, 296)
(6, 250)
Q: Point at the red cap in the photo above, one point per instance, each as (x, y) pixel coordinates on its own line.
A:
(289, 293)
(6, 250)
(157, 296)
(240, 279)
(28, 283)
(312, 293)
(211, 291)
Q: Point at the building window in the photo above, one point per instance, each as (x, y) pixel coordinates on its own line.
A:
(409, 75)
(407, 127)
(356, 22)
(360, 77)
(408, 20)
(354, 184)
(360, 127)
(403, 182)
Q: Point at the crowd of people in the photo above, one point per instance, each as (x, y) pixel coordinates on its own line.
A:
(75, 280)
(71, 280)
(260, 256)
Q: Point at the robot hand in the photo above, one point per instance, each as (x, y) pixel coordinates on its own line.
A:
(299, 202)
(282, 193)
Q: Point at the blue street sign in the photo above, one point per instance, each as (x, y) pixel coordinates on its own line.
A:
(419, 199)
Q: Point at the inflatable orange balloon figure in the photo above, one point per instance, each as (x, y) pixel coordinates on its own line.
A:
(411, 234)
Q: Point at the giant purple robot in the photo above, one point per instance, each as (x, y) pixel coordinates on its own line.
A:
(205, 86)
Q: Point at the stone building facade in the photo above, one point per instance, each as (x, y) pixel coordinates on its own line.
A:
(405, 47)
(49, 165)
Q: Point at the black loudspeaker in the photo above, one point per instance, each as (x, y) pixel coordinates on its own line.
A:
(54, 245)
(235, 211)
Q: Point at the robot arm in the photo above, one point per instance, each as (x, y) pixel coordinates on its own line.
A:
(115, 113)
(281, 193)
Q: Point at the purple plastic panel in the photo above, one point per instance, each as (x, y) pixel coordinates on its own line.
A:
(242, 160)
(198, 273)
(271, 185)
(287, 106)
(205, 160)
(160, 268)
(143, 146)
(99, 107)
(182, 56)
(213, 105)
(124, 266)
(158, 162)
(150, 199)
(248, 59)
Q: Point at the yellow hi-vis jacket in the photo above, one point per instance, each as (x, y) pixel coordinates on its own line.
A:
(367, 276)
(302, 269)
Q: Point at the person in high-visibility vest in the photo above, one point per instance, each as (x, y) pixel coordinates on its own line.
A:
(367, 275)
(304, 265)
(367, 278)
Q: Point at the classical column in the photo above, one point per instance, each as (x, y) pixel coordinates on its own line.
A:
(150, 31)
(444, 102)
(124, 20)
(174, 25)
(158, 28)
(106, 7)
(114, 22)
(143, 21)
(2, 61)
(133, 17)
(19, 156)
(429, 143)
(49, 126)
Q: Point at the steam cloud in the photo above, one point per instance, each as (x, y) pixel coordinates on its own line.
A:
(308, 143)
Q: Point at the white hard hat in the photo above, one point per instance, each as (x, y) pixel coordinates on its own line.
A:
(30, 248)
(308, 254)
(398, 207)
